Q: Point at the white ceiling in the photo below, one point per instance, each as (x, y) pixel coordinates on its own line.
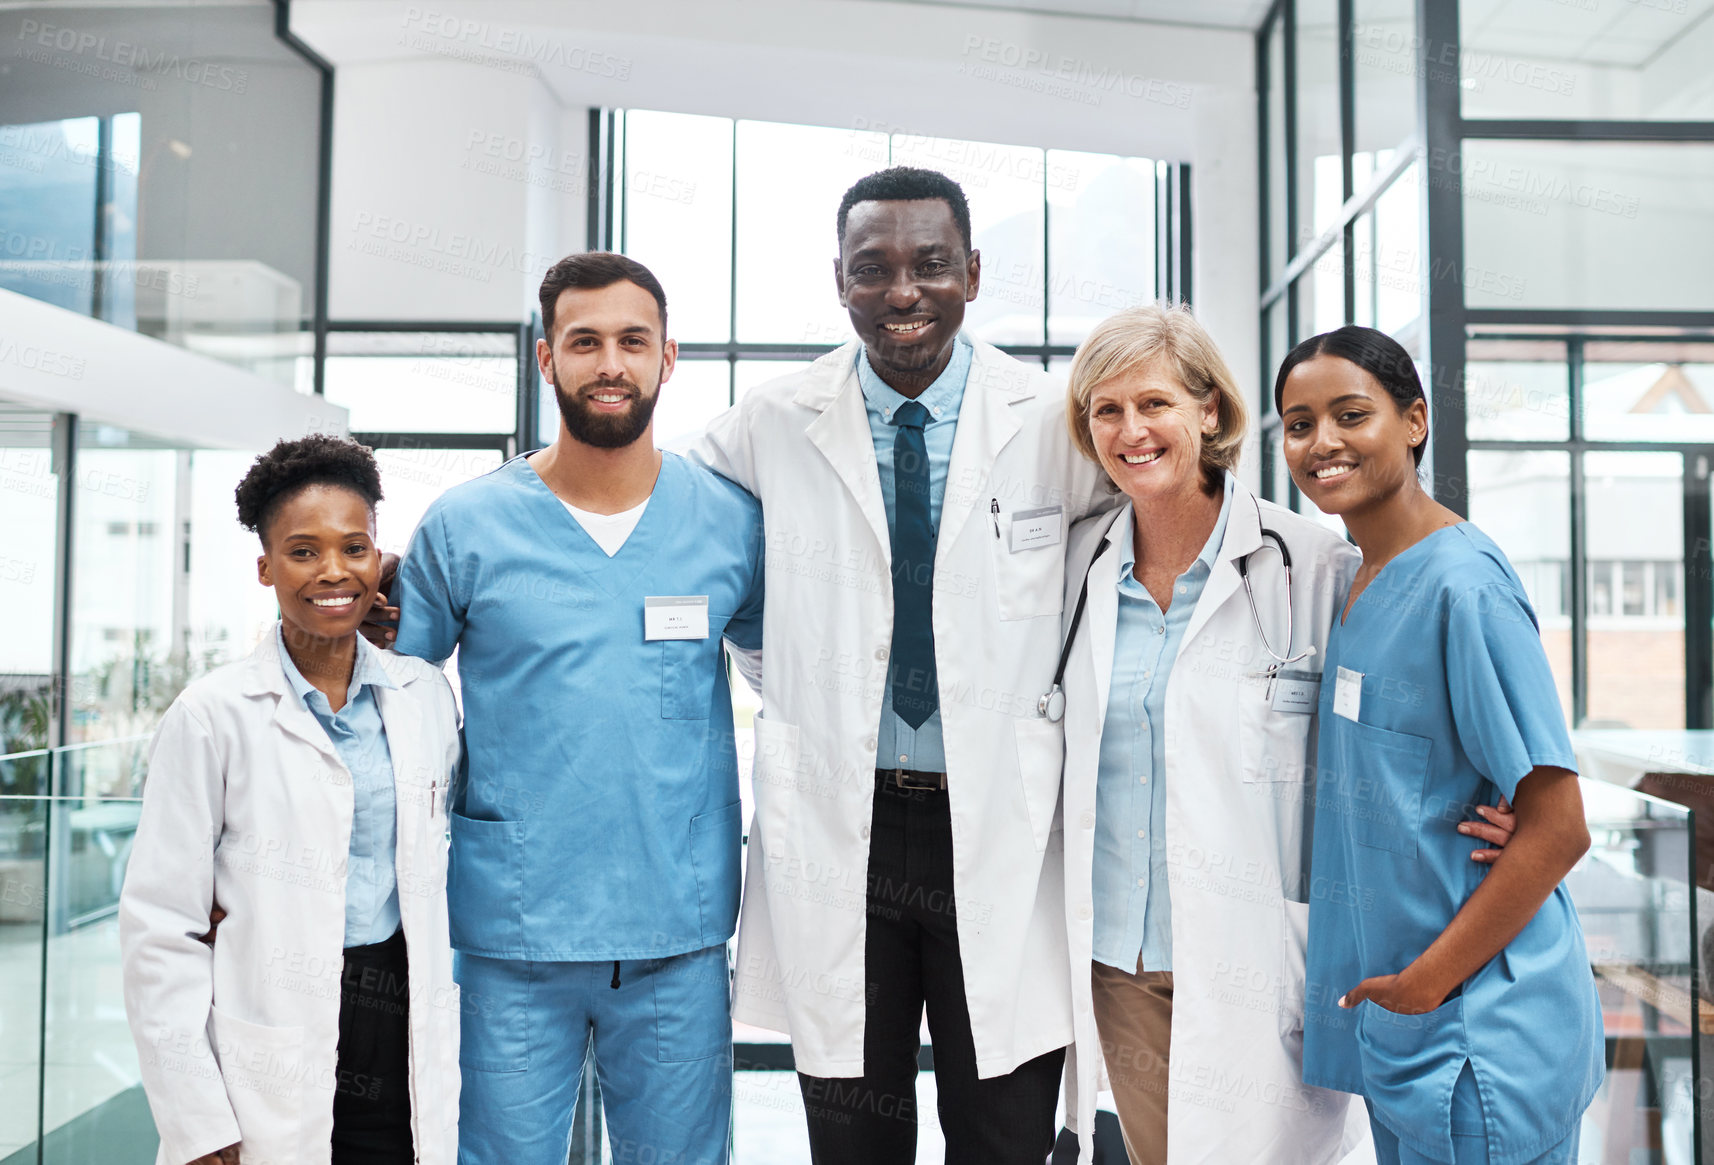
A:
(1628, 34)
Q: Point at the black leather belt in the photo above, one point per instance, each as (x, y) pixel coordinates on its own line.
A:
(911, 779)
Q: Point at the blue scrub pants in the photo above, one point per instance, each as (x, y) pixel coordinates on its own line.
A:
(663, 1055)
(1469, 1140)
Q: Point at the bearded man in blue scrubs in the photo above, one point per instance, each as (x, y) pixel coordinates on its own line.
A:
(594, 870)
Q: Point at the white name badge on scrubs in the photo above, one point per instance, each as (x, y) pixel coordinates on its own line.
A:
(1296, 692)
(1348, 693)
(1036, 528)
(675, 617)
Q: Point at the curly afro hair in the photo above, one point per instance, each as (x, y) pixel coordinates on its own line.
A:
(292, 466)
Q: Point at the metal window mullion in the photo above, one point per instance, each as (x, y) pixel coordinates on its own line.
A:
(1288, 92)
(1579, 595)
(1348, 148)
(324, 185)
(1697, 602)
(99, 242)
(1438, 95)
(1184, 241)
(1046, 276)
(732, 281)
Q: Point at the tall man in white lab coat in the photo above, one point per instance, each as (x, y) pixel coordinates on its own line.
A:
(916, 487)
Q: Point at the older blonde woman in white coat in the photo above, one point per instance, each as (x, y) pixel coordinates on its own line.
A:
(1189, 712)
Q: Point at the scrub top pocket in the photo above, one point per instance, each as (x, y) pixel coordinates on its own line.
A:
(687, 679)
(1411, 1064)
(1382, 775)
(485, 886)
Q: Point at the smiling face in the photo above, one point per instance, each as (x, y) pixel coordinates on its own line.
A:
(1347, 442)
(607, 362)
(318, 553)
(904, 277)
(1148, 430)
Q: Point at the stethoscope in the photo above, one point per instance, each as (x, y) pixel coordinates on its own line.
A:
(1052, 703)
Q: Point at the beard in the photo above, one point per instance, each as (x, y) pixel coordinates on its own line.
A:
(606, 430)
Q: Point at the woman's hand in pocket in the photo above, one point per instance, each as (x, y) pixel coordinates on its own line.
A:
(1394, 993)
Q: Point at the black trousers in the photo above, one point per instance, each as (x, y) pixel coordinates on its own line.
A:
(912, 960)
(372, 1092)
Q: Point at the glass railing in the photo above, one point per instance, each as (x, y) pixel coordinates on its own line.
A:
(1638, 904)
(69, 1084)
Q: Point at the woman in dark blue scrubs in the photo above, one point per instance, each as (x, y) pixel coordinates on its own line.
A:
(1457, 999)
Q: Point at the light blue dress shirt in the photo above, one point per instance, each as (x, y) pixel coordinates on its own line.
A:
(371, 877)
(898, 744)
(1133, 909)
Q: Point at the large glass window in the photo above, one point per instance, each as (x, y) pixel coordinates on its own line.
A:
(1611, 225)
(159, 171)
(1517, 390)
(1067, 238)
(28, 521)
(1635, 599)
(1648, 392)
(426, 382)
(1320, 180)
(1636, 61)
(1521, 499)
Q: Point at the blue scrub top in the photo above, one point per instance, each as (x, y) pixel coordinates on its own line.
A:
(1458, 705)
(599, 816)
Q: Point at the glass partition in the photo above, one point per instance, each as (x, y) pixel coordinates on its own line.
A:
(1633, 894)
(68, 1066)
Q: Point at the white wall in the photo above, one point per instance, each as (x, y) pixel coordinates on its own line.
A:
(426, 222)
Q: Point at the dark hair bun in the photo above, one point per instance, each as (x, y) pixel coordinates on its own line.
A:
(292, 466)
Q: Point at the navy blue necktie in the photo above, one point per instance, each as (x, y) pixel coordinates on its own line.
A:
(916, 691)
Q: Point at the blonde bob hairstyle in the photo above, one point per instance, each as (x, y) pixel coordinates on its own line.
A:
(1166, 337)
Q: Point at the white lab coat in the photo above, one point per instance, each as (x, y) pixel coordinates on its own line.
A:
(1237, 846)
(248, 804)
(802, 444)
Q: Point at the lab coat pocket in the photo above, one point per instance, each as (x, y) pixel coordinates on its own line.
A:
(1294, 945)
(1272, 745)
(1041, 760)
(263, 1070)
(774, 777)
(714, 855)
(1410, 1065)
(485, 886)
(1381, 776)
(1028, 584)
(687, 678)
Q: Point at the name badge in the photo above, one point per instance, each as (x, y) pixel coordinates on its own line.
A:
(1036, 528)
(1348, 693)
(675, 617)
(1296, 692)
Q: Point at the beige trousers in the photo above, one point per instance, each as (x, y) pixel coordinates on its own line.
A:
(1133, 1014)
